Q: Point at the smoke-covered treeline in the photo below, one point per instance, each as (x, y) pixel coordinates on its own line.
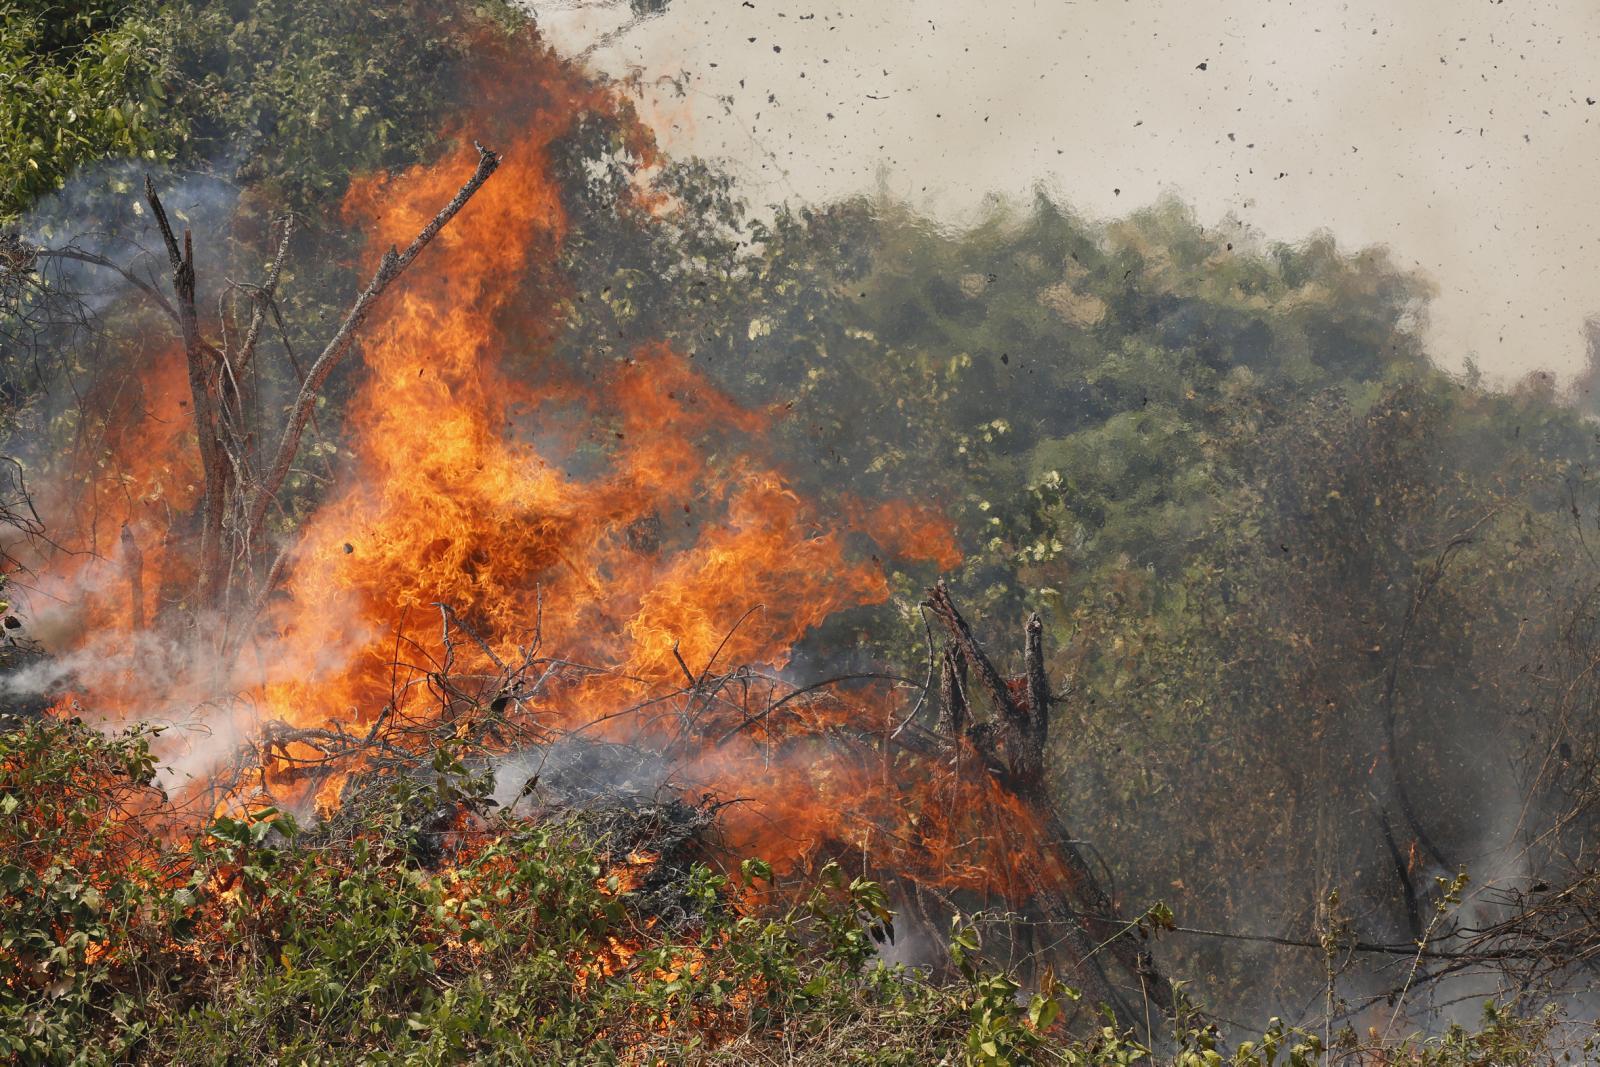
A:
(1326, 610)
(1323, 603)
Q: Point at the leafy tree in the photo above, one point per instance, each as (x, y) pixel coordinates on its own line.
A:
(81, 81)
(293, 99)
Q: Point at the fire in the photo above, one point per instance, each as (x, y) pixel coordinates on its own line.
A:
(131, 472)
(653, 540)
(629, 875)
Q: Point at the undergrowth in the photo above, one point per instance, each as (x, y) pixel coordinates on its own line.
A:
(124, 939)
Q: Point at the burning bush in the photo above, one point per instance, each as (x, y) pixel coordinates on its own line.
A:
(534, 940)
(468, 490)
(517, 939)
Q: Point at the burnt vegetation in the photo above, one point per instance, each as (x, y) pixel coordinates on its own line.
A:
(517, 601)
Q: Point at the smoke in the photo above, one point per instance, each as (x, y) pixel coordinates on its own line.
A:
(101, 210)
(180, 680)
(1392, 126)
(92, 246)
(573, 773)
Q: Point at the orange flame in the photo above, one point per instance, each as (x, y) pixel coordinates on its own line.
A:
(650, 541)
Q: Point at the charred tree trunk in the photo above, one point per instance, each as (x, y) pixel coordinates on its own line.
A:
(1010, 729)
(202, 361)
(133, 566)
(952, 695)
(1012, 747)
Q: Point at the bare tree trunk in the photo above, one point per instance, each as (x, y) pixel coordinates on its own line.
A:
(201, 359)
(1086, 914)
(1402, 873)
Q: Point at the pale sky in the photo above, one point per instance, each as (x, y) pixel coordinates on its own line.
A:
(1462, 134)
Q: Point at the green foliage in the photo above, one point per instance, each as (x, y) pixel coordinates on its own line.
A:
(288, 99)
(1003, 1030)
(268, 941)
(81, 82)
(300, 97)
(73, 878)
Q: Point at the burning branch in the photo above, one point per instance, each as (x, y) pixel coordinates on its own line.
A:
(215, 376)
(391, 267)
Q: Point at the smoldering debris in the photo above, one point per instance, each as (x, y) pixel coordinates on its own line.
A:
(614, 799)
(579, 774)
(621, 800)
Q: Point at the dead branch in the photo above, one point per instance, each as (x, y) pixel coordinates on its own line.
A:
(953, 712)
(391, 267)
(199, 356)
(1025, 736)
(80, 256)
(263, 296)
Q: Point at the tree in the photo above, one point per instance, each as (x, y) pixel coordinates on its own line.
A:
(79, 82)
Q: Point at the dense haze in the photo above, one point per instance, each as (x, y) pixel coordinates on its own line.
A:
(1462, 136)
